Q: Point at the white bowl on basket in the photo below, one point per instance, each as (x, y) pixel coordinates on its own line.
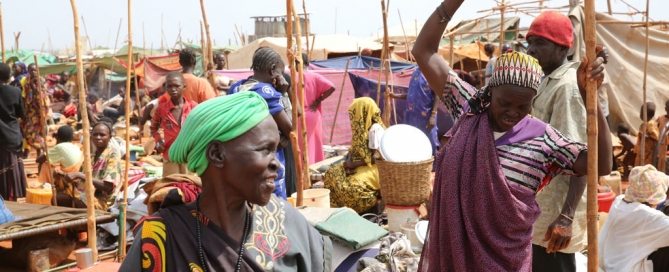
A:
(405, 143)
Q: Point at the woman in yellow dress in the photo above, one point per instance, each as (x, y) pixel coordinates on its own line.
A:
(354, 183)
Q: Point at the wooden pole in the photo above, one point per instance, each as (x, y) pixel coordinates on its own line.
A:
(83, 109)
(341, 94)
(205, 60)
(17, 35)
(608, 5)
(642, 152)
(591, 108)
(124, 203)
(502, 33)
(2, 35)
(209, 53)
(294, 101)
(451, 40)
(306, 25)
(88, 38)
(386, 63)
(118, 32)
(304, 154)
(406, 39)
(45, 132)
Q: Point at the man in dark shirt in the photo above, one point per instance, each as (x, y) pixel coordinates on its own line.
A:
(12, 176)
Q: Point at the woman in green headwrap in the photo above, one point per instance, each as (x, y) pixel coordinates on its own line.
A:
(236, 224)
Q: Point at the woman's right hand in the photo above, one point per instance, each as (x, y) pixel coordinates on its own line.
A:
(349, 167)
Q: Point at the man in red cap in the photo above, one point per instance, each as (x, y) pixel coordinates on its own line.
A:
(560, 231)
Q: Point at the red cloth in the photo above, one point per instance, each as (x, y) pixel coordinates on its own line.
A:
(70, 110)
(189, 191)
(554, 27)
(163, 118)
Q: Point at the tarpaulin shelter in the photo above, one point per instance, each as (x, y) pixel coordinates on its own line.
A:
(26, 57)
(624, 72)
(154, 69)
(323, 47)
(486, 29)
(359, 63)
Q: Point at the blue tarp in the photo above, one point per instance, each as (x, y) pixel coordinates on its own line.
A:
(360, 63)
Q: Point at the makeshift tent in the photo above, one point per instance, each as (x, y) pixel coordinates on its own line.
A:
(26, 57)
(141, 51)
(624, 72)
(486, 29)
(399, 34)
(154, 69)
(323, 46)
(359, 63)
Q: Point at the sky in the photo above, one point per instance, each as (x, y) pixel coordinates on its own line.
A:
(42, 20)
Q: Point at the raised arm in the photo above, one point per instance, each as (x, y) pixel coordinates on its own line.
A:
(426, 50)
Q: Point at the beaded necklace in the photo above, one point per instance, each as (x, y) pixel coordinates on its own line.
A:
(200, 250)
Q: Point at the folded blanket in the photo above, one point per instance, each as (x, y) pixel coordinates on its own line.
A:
(347, 226)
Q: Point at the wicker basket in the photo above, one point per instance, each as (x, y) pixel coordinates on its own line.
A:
(406, 183)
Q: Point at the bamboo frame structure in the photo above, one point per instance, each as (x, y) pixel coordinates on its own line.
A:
(341, 94)
(2, 35)
(304, 154)
(124, 203)
(406, 39)
(502, 8)
(306, 25)
(118, 32)
(592, 131)
(203, 42)
(385, 58)
(54, 198)
(294, 101)
(209, 53)
(83, 109)
(642, 151)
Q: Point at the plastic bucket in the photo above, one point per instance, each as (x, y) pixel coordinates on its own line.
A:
(319, 198)
(398, 215)
(605, 200)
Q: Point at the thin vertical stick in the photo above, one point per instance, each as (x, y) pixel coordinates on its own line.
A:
(86, 126)
(502, 33)
(45, 131)
(608, 5)
(341, 93)
(451, 49)
(124, 203)
(294, 101)
(88, 38)
(205, 60)
(306, 25)
(406, 39)
(591, 108)
(2, 34)
(118, 32)
(209, 53)
(386, 63)
(645, 78)
(162, 33)
(304, 154)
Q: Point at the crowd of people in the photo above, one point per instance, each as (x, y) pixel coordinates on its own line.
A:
(517, 150)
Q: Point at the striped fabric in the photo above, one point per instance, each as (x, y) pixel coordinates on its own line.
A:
(531, 163)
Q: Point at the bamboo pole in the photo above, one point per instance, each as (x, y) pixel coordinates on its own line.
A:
(124, 203)
(293, 99)
(386, 63)
(118, 32)
(592, 130)
(304, 154)
(644, 112)
(406, 39)
(206, 29)
(451, 40)
(341, 94)
(88, 37)
(502, 7)
(2, 35)
(205, 60)
(45, 132)
(83, 109)
(17, 35)
(306, 25)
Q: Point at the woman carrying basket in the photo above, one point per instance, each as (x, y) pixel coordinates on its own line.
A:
(496, 160)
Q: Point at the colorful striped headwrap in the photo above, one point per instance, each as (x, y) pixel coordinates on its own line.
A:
(513, 68)
(217, 119)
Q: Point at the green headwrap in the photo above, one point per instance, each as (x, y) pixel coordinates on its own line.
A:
(221, 119)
